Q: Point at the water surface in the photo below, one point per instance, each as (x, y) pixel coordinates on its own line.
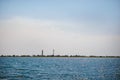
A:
(32, 68)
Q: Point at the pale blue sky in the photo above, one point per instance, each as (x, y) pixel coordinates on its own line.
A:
(77, 17)
(61, 9)
(105, 12)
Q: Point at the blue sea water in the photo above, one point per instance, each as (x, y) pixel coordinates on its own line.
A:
(35, 68)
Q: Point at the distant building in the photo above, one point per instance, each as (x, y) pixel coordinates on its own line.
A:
(42, 53)
(53, 52)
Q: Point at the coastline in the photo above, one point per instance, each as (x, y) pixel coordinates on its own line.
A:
(59, 56)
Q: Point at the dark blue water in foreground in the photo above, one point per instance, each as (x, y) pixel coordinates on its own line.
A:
(30, 68)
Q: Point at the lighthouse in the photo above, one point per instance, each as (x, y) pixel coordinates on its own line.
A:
(53, 52)
(42, 53)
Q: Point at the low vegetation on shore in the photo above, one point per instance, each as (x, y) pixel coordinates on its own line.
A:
(59, 56)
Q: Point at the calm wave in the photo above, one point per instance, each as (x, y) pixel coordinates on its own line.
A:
(31, 68)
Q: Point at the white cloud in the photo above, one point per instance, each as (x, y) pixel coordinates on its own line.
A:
(34, 34)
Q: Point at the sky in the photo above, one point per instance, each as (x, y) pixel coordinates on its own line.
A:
(71, 27)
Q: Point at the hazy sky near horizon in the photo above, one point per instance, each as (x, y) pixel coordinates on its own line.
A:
(83, 27)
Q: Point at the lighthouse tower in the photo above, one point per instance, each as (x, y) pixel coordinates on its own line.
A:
(53, 52)
(42, 53)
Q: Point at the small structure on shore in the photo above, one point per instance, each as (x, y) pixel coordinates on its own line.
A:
(53, 52)
(42, 53)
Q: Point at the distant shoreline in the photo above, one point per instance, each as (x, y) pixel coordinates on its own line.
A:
(59, 56)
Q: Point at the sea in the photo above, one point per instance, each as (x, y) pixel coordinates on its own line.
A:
(55, 68)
